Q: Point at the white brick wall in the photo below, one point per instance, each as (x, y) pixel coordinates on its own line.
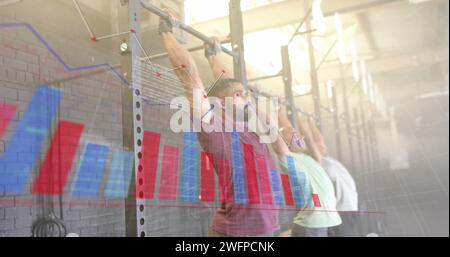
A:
(24, 63)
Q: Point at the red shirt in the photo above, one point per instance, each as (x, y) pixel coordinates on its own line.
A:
(240, 219)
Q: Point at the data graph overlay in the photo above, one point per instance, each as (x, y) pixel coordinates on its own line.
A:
(90, 173)
(57, 151)
(58, 161)
(7, 112)
(173, 168)
(17, 161)
(169, 174)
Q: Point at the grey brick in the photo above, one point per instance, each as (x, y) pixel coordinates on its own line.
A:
(110, 118)
(33, 68)
(76, 114)
(6, 225)
(90, 231)
(114, 234)
(86, 90)
(29, 78)
(15, 43)
(24, 232)
(107, 228)
(99, 221)
(8, 93)
(115, 218)
(3, 71)
(78, 224)
(36, 211)
(10, 74)
(26, 36)
(119, 227)
(26, 57)
(25, 95)
(72, 215)
(89, 213)
(17, 211)
(16, 64)
(20, 76)
(7, 52)
(50, 64)
(44, 74)
(13, 85)
(38, 50)
(58, 74)
(23, 222)
(87, 107)
(77, 207)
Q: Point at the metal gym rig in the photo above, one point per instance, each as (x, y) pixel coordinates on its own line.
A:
(130, 22)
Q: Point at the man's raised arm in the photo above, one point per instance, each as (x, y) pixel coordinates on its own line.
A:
(181, 58)
(218, 69)
(317, 136)
(313, 149)
(289, 132)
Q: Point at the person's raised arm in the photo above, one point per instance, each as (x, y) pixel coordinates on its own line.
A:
(317, 136)
(313, 149)
(217, 67)
(279, 145)
(290, 135)
(180, 58)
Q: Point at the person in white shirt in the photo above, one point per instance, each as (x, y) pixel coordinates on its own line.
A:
(345, 188)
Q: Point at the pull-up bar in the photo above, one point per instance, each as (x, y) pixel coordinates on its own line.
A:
(191, 49)
(297, 30)
(256, 92)
(286, 75)
(155, 10)
(266, 77)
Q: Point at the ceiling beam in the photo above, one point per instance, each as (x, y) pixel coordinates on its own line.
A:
(381, 64)
(367, 29)
(285, 13)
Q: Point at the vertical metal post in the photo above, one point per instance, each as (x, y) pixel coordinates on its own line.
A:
(337, 129)
(138, 115)
(132, 115)
(366, 140)
(374, 143)
(287, 80)
(313, 73)
(370, 138)
(237, 41)
(364, 130)
(358, 135)
(347, 119)
(127, 114)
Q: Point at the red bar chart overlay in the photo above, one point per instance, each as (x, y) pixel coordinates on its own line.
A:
(148, 166)
(264, 180)
(207, 192)
(251, 178)
(225, 178)
(7, 112)
(58, 161)
(169, 174)
(287, 190)
(316, 200)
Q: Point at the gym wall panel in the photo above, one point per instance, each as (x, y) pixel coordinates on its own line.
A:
(27, 67)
